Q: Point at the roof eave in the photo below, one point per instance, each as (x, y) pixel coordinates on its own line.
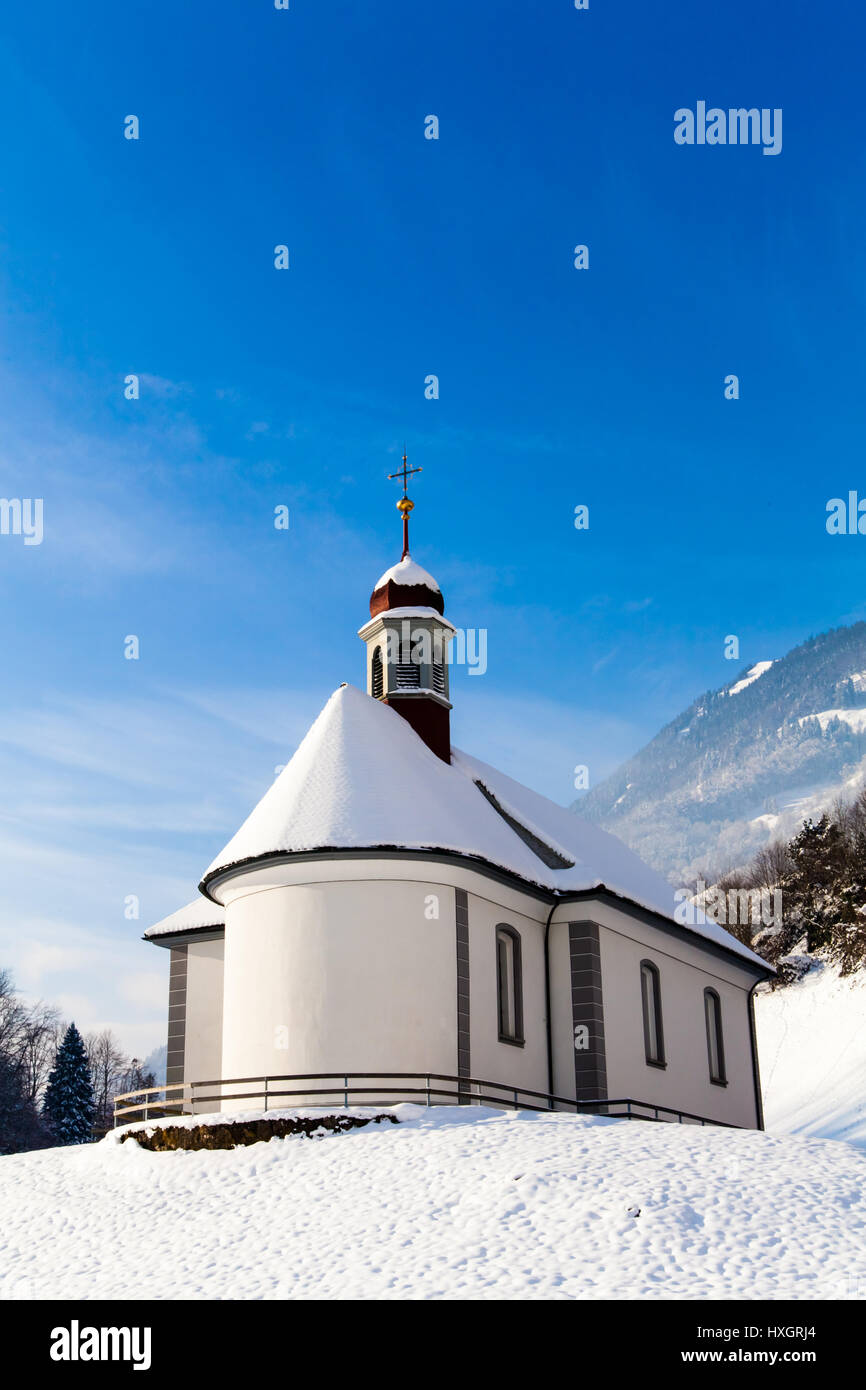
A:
(537, 889)
(177, 938)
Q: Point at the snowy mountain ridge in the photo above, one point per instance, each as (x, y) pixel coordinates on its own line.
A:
(746, 763)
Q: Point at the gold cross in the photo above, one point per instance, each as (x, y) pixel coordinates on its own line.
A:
(404, 472)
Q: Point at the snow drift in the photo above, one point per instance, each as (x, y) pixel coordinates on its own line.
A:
(812, 1054)
(448, 1203)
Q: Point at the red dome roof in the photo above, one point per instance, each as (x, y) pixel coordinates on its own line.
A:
(406, 585)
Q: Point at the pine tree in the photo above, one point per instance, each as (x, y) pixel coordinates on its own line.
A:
(821, 874)
(68, 1106)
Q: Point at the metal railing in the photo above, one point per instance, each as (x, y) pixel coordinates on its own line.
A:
(464, 1090)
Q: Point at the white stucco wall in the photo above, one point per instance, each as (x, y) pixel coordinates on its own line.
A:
(335, 964)
(493, 1060)
(204, 1008)
(560, 1003)
(321, 977)
(685, 972)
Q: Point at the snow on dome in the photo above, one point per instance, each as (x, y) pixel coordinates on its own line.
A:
(196, 915)
(363, 779)
(405, 585)
(408, 573)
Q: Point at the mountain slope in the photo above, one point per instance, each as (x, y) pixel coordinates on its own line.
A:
(744, 764)
(809, 1089)
(155, 1064)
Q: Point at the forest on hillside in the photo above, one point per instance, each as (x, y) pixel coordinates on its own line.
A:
(817, 879)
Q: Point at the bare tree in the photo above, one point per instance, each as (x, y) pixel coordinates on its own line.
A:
(770, 865)
(12, 1016)
(108, 1063)
(38, 1046)
(134, 1079)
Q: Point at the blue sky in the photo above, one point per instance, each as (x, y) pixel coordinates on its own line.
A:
(259, 387)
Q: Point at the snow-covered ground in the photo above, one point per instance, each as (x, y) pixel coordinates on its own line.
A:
(449, 1203)
(854, 718)
(812, 1052)
(478, 1203)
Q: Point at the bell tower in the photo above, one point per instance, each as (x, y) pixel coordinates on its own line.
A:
(407, 642)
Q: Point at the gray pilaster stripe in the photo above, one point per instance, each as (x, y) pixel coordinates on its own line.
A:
(587, 1008)
(461, 913)
(176, 1015)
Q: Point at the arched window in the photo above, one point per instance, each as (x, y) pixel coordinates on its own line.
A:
(377, 678)
(651, 999)
(509, 985)
(715, 1041)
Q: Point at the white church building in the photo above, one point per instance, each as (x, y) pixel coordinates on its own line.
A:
(394, 905)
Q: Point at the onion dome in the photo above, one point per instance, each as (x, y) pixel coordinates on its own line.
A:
(406, 585)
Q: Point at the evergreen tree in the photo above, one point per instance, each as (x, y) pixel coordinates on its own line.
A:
(821, 874)
(68, 1107)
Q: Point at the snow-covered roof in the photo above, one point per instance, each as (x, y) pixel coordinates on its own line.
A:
(407, 572)
(420, 612)
(363, 779)
(195, 916)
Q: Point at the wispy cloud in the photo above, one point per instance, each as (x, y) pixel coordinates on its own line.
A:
(604, 660)
(161, 387)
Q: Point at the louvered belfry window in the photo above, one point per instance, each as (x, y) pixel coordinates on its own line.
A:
(438, 677)
(408, 671)
(378, 679)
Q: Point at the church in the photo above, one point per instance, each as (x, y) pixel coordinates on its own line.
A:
(395, 905)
